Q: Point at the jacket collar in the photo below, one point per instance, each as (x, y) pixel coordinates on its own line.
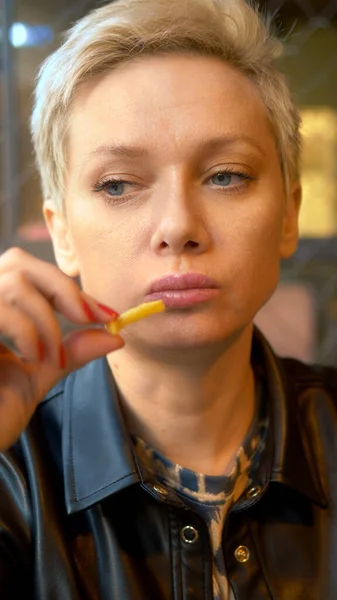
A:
(287, 461)
(98, 457)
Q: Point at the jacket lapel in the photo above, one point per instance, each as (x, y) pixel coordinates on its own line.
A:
(97, 453)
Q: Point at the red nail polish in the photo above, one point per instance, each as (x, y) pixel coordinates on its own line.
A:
(88, 312)
(40, 349)
(112, 313)
(62, 358)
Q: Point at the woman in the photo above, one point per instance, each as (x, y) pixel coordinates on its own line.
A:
(183, 459)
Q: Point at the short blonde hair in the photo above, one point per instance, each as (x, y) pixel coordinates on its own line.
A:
(119, 31)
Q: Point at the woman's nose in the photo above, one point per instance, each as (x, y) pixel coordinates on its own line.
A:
(179, 225)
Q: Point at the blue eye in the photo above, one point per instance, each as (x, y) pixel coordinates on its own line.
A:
(112, 187)
(115, 188)
(226, 179)
(232, 181)
(223, 179)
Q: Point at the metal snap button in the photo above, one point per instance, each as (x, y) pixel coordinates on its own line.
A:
(242, 554)
(189, 534)
(160, 490)
(253, 492)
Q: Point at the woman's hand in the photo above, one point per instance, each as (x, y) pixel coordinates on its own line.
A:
(31, 291)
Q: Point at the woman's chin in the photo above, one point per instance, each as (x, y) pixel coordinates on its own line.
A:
(183, 336)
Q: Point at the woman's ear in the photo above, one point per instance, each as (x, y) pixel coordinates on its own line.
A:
(64, 250)
(290, 233)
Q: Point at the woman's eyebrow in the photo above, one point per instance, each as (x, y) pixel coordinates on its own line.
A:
(202, 147)
(119, 150)
(223, 142)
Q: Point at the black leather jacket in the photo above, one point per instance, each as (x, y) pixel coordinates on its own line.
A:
(77, 520)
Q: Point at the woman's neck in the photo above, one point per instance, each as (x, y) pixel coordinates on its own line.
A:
(195, 412)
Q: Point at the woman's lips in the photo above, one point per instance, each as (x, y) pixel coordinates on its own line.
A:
(182, 298)
(178, 290)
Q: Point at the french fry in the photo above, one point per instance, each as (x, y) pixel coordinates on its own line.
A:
(135, 314)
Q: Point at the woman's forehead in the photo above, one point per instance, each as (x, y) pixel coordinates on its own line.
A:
(192, 101)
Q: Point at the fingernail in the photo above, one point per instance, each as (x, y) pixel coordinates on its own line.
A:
(109, 311)
(40, 349)
(88, 311)
(62, 358)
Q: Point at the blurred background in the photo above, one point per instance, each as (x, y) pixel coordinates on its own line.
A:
(301, 318)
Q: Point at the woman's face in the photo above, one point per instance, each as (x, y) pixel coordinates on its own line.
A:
(173, 168)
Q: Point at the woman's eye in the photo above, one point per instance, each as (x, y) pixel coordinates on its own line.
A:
(114, 188)
(224, 179)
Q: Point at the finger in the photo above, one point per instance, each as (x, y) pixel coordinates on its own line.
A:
(86, 345)
(61, 291)
(19, 328)
(24, 297)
